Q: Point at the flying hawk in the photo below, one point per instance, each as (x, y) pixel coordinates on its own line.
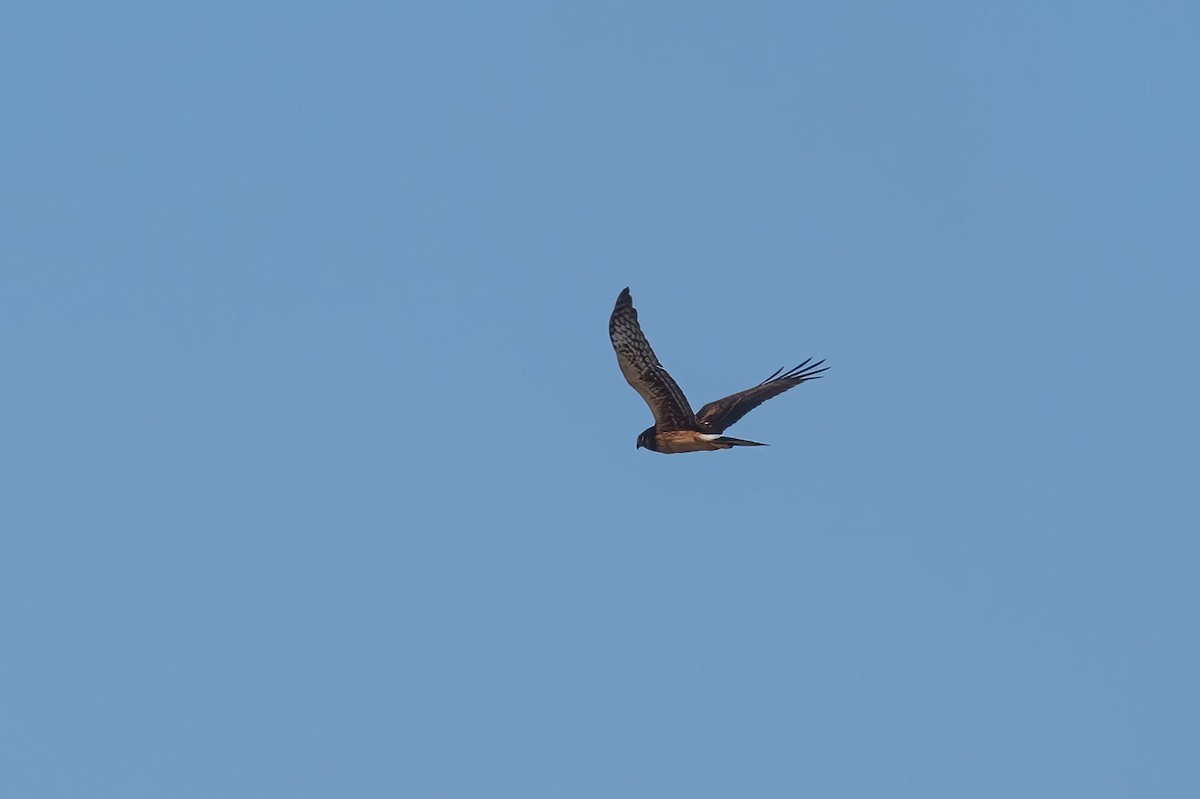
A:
(676, 428)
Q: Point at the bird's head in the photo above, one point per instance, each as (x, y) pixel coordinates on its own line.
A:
(646, 439)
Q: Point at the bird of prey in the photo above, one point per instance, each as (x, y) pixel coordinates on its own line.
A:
(676, 428)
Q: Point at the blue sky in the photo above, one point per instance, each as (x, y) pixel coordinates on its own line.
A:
(319, 474)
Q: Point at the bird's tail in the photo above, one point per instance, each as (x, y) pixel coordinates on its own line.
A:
(738, 442)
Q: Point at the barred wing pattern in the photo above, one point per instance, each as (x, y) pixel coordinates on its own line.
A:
(715, 417)
(641, 368)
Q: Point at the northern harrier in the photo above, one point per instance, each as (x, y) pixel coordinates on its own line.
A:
(676, 428)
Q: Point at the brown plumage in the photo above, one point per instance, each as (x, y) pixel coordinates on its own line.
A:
(676, 428)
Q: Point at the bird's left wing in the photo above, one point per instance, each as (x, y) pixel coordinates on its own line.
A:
(716, 416)
(641, 368)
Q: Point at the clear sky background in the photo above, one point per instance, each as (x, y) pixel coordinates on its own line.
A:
(317, 472)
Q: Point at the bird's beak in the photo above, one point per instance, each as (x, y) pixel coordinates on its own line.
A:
(639, 444)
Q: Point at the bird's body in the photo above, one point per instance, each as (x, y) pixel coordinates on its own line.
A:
(674, 441)
(676, 427)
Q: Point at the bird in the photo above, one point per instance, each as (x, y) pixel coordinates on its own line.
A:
(676, 427)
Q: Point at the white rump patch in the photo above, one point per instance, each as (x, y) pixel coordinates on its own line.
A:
(710, 436)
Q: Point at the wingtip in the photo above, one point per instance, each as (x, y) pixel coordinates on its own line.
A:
(624, 299)
(806, 371)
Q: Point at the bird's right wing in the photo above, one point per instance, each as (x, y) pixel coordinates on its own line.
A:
(716, 416)
(643, 371)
